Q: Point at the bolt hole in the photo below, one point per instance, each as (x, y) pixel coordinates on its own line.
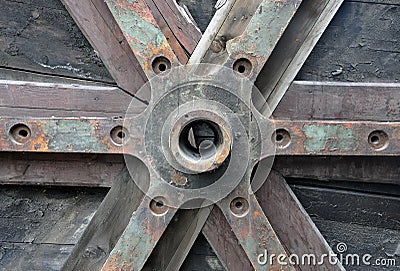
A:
(23, 133)
(20, 133)
(239, 207)
(119, 135)
(281, 138)
(158, 206)
(378, 140)
(241, 69)
(375, 140)
(162, 67)
(243, 66)
(160, 64)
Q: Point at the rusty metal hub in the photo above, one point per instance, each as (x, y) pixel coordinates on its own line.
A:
(202, 136)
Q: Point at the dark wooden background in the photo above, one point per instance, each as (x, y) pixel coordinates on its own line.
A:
(39, 41)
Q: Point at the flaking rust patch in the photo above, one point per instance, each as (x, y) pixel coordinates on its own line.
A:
(39, 143)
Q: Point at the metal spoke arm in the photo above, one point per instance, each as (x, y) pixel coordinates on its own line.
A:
(144, 36)
(338, 138)
(243, 35)
(144, 230)
(105, 135)
(252, 229)
(245, 40)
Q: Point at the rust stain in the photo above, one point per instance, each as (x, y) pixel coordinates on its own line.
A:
(178, 179)
(41, 142)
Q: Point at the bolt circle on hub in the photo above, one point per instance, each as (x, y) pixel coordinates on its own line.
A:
(199, 135)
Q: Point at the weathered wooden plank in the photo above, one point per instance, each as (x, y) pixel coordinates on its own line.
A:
(31, 76)
(224, 243)
(358, 230)
(40, 215)
(64, 170)
(340, 101)
(303, 101)
(360, 45)
(107, 225)
(379, 242)
(41, 256)
(177, 240)
(101, 170)
(350, 207)
(293, 48)
(298, 233)
(65, 99)
(177, 26)
(97, 23)
(384, 170)
(25, 35)
(40, 226)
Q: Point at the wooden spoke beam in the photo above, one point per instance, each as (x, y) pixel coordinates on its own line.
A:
(299, 39)
(266, 41)
(177, 24)
(298, 233)
(107, 225)
(102, 31)
(166, 20)
(303, 101)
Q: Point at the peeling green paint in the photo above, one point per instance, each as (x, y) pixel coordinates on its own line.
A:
(141, 30)
(267, 26)
(72, 135)
(329, 137)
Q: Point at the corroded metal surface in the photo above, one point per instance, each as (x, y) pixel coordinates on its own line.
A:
(263, 33)
(252, 37)
(140, 237)
(252, 228)
(340, 138)
(91, 135)
(142, 32)
(79, 135)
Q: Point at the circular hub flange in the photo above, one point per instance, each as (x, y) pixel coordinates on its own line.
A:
(201, 135)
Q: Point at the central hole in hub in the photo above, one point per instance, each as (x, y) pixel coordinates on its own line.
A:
(200, 139)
